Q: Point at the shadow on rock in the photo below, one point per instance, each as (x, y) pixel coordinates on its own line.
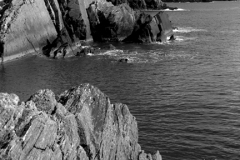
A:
(80, 123)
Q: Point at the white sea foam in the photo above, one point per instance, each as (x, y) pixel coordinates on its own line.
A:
(188, 29)
(90, 54)
(179, 9)
(164, 43)
(114, 52)
(182, 38)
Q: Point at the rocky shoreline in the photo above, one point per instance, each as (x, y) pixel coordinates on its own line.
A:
(55, 26)
(80, 123)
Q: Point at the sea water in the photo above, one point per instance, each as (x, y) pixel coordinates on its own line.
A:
(185, 94)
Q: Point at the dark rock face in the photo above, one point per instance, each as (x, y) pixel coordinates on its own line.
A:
(121, 23)
(134, 4)
(154, 4)
(80, 124)
(151, 28)
(110, 23)
(73, 19)
(142, 30)
(140, 4)
(123, 60)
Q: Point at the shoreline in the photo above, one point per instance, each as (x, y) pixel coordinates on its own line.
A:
(36, 51)
(18, 56)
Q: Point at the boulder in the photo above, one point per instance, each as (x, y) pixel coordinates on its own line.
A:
(123, 60)
(80, 123)
(134, 4)
(172, 38)
(151, 28)
(110, 23)
(165, 6)
(154, 4)
(121, 23)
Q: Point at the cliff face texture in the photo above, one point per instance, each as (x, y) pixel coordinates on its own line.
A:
(25, 25)
(29, 25)
(79, 124)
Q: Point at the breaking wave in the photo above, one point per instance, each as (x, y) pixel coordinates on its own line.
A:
(188, 29)
(182, 38)
(179, 9)
(143, 57)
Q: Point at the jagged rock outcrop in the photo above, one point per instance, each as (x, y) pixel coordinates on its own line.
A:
(151, 28)
(121, 23)
(80, 123)
(109, 22)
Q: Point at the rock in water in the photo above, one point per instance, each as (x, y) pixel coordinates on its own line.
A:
(151, 28)
(110, 23)
(80, 124)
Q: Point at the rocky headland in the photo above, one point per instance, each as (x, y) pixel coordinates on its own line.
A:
(52, 27)
(78, 124)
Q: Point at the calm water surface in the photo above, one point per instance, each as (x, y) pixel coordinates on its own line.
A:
(185, 94)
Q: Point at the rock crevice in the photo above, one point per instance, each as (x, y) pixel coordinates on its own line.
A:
(84, 126)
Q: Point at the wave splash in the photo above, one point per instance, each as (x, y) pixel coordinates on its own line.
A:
(179, 9)
(188, 30)
(151, 56)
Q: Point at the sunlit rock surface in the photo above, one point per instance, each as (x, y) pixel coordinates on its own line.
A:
(24, 26)
(80, 123)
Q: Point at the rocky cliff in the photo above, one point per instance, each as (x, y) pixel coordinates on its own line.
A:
(29, 25)
(80, 123)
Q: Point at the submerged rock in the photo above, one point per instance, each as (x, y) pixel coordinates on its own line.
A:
(151, 28)
(124, 60)
(80, 124)
(172, 38)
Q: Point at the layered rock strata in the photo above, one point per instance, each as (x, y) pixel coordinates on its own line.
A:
(29, 25)
(80, 123)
